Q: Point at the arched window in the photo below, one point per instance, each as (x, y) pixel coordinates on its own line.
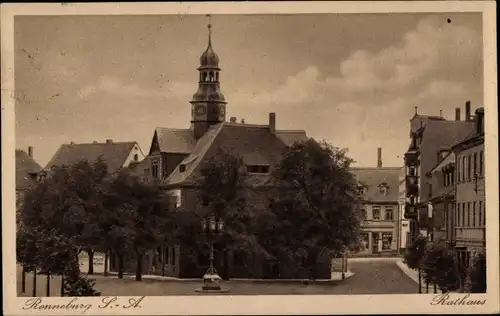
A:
(211, 76)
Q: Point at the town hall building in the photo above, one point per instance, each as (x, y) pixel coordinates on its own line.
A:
(176, 157)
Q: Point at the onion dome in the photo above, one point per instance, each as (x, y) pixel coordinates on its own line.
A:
(209, 58)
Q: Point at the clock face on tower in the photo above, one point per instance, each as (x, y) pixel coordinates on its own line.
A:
(200, 110)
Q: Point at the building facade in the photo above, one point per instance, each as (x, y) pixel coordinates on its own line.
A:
(429, 136)
(379, 188)
(404, 223)
(470, 212)
(442, 183)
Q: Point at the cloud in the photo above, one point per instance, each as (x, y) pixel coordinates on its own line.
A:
(370, 102)
(114, 87)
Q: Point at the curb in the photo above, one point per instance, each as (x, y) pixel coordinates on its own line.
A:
(348, 275)
(402, 266)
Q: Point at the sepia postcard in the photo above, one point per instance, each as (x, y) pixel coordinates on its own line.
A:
(226, 158)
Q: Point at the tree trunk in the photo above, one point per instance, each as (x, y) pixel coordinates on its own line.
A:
(23, 280)
(34, 282)
(62, 284)
(48, 284)
(120, 266)
(138, 267)
(91, 261)
(435, 289)
(419, 281)
(106, 258)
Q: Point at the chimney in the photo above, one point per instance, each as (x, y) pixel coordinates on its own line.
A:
(242, 121)
(480, 121)
(467, 111)
(94, 142)
(440, 113)
(30, 151)
(379, 157)
(272, 123)
(457, 114)
(232, 119)
(109, 141)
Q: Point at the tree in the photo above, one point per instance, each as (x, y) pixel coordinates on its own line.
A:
(414, 254)
(439, 267)
(139, 220)
(224, 187)
(56, 218)
(477, 273)
(315, 207)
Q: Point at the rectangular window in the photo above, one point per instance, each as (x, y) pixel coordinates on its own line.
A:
(481, 162)
(386, 241)
(468, 214)
(376, 213)
(464, 168)
(459, 174)
(155, 168)
(257, 169)
(469, 167)
(474, 163)
(389, 214)
(463, 215)
(452, 175)
(457, 214)
(480, 214)
(474, 214)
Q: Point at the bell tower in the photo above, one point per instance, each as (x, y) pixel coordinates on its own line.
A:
(208, 106)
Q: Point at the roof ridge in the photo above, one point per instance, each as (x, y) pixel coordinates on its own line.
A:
(172, 128)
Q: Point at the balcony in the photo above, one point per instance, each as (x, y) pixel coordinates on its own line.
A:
(411, 157)
(411, 211)
(411, 184)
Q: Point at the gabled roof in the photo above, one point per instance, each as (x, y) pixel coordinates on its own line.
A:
(26, 169)
(255, 144)
(290, 136)
(372, 178)
(172, 140)
(113, 153)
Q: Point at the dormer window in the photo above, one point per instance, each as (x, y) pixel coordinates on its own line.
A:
(182, 168)
(262, 169)
(383, 188)
(361, 190)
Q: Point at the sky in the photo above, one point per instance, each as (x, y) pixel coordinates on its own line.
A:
(350, 79)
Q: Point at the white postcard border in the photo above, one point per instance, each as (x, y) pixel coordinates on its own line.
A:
(279, 304)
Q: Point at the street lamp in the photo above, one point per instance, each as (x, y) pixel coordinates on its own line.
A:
(212, 228)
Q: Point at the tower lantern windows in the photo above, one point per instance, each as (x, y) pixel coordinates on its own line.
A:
(217, 76)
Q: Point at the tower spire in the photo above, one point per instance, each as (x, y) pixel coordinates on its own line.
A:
(209, 30)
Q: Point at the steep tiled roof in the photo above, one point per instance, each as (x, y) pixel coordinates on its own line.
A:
(113, 153)
(438, 135)
(255, 144)
(421, 120)
(372, 178)
(173, 140)
(26, 168)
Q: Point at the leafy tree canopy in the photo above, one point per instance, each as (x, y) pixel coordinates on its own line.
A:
(317, 198)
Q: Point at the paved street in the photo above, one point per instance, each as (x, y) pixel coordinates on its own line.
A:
(373, 276)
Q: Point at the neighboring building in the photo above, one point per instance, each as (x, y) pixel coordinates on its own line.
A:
(429, 134)
(27, 173)
(379, 188)
(117, 155)
(404, 223)
(442, 197)
(177, 156)
(470, 213)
